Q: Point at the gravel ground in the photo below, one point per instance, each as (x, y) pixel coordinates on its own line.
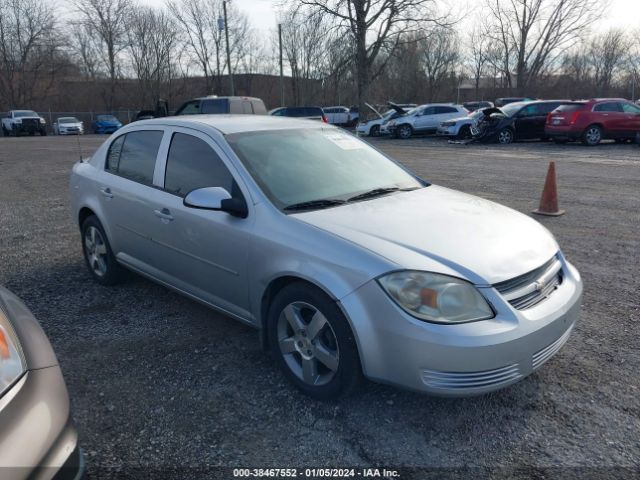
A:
(159, 382)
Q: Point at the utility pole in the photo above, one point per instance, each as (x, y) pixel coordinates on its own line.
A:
(281, 69)
(226, 34)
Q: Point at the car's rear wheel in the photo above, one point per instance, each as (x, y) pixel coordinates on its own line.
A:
(375, 131)
(98, 255)
(405, 131)
(505, 136)
(592, 135)
(312, 342)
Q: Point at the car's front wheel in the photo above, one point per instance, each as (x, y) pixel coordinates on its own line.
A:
(592, 135)
(98, 255)
(312, 342)
(464, 132)
(375, 131)
(405, 131)
(505, 136)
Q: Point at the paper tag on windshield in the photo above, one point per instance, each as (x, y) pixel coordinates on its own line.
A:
(345, 142)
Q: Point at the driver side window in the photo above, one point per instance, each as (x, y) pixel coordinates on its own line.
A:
(193, 164)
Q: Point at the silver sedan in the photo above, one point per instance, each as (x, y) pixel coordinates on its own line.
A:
(347, 263)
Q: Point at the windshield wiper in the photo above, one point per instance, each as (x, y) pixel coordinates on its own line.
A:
(377, 192)
(314, 204)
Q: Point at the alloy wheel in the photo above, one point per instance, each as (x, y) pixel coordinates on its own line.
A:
(96, 251)
(404, 131)
(593, 135)
(308, 343)
(505, 136)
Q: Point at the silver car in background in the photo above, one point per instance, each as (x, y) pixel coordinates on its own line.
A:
(346, 262)
(37, 437)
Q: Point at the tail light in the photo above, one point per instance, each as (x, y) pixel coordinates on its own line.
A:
(574, 117)
(324, 119)
(549, 116)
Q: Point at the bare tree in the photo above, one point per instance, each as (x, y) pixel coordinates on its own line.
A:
(304, 42)
(106, 21)
(152, 36)
(478, 55)
(374, 26)
(28, 50)
(606, 56)
(439, 52)
(204, 40)
(533, 34)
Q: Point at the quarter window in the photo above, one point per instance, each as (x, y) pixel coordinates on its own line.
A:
(133, 155)
(630, 108)
(193, 164)
(439, 110)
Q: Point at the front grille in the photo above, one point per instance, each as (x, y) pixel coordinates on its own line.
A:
(471, 380)
(532, 288)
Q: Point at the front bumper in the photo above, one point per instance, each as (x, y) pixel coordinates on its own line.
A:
(108, 129)
(448, 131)
(70, 131)
(465, 359)
(37, 437)
(31, 127)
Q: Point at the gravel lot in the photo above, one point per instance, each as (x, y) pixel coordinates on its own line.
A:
(158, 381)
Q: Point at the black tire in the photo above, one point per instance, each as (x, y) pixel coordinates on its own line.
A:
(505, 136)
(592, 135)
(113, 272)
(5, 132)
(342, 380)
(464, 133)
(404, 131)
(43, 133)
(374, 131)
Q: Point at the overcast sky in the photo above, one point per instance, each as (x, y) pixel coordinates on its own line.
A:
(622, 13)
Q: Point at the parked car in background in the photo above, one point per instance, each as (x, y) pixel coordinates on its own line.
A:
(106, 124)
(354, 115)
(594, 120)
(473, 106)
(347, 262)
(424, 119)
(501, 102)
(68, 126)
(459, 127)
(213, 104)
(309, 113)
(37, 435)
(373, 127)
(337, 115)
(518, 121)
(18, 122)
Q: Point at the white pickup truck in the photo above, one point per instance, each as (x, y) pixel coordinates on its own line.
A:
(23, 121)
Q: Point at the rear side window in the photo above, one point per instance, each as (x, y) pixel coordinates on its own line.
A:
(246, 107)
(193, 164)
(570, 107)
(191, 108)
(547, 108)
(133, 156)
(215, 106)
(313, 112)
(608, 107)
(446, 110)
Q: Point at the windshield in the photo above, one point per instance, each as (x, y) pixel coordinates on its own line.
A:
(107, 118)
(68, 120)
(511, 109)
(25, 113)
(304, 165)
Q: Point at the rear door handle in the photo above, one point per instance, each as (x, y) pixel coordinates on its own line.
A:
(164, 215)
(106, 192)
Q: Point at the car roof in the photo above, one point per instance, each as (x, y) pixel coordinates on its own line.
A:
(229, 124)
(215, 97)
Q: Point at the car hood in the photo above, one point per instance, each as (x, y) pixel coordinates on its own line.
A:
(443, 230)
(70, 124)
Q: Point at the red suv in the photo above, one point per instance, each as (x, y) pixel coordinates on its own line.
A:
(594, 120)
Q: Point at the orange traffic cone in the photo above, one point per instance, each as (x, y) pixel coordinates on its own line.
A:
(549, 200)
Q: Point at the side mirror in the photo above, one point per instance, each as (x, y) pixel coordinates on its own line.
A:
(217, 199)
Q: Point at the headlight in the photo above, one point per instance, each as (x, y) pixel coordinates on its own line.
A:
(42, 120)
(436, 298)
(448, 124)
(12, 364)
(18, 120)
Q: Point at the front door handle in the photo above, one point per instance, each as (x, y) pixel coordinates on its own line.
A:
(106, 192)
(164, 215)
